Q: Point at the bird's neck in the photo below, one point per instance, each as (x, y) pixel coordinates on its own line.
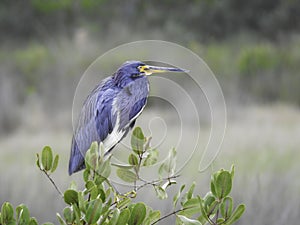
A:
(123, 80)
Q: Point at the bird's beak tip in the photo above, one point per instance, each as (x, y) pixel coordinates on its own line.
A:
(156, 69)
(183, 70)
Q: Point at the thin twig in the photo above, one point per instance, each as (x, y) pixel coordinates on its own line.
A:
(166, 216)
(154, 182)
(211, 221)
(52, 181)
(170, 214)
(217, 215)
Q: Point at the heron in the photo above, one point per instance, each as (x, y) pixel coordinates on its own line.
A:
(111, 109)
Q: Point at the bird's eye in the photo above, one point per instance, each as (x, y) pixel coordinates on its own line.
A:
(142, 69)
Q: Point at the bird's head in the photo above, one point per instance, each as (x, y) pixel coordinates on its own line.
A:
(132, 70)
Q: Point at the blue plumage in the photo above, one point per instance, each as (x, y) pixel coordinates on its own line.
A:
(114, 97)
(111, 109)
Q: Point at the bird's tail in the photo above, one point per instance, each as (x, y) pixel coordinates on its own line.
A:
(76, 162)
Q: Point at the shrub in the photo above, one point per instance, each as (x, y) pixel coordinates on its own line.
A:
(32, 62)
(100, 202)
(257, 59)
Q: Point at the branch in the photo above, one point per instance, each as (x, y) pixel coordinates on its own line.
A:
(166, 216)
(154, 182)
(52, 181)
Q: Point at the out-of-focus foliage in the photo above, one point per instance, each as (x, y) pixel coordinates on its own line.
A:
(203, 19)
(32, 62)
(252, 47)
(257, 59)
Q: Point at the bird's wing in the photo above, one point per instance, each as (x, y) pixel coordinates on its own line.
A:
(96, 123)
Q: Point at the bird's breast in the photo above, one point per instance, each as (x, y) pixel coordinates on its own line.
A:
(130, 100)
(138, 88)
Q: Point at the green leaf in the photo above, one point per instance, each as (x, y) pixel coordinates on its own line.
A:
(220, 221)
(122, 166)
(104, 169)
(60, 219)
(108, 191)
(151, 158)
(47, 158)
(55, 163)
(138, 214)
(106, 209)
(93, 189)
(126, 175)
(189, 194)
(187, 221)
(123, 203)
(153, 216)
(102, 194)
(169, 163)
(191, 207)
(202, 208)
(86, 174)
(160, 192)
(99, 181)
(38, 161)
(101, 150)
(7, 213)
(114, 219)
(212, 183)
(238, 212)
(133, 160)
(93, 212)
(71, 197)
(213, 207)
(81, 202)
(19, 210)
(23, 215)
(77, 214)
(202, 219)
(147, 143)
(94, 148)
(232, 171)
(89, 186)
(223, 184)
(91, 161)
(92, 156)
(47, 223)
(73, 185)
(123, 217)
(208, 200)
(176, 197)
(33, 221)
(137, 140)
(226, 207)
(191, 190)
(68, 215)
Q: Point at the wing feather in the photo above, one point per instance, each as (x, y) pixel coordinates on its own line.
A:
(107, 115)
(96, 122)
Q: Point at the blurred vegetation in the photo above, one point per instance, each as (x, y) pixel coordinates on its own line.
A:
(252, 47)
(201, 19)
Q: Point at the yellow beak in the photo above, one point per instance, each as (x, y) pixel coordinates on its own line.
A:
(148, 70)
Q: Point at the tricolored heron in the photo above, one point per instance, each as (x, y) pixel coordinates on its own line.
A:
(111, 109)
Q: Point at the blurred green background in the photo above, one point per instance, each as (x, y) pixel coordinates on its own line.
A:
(253, 47)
